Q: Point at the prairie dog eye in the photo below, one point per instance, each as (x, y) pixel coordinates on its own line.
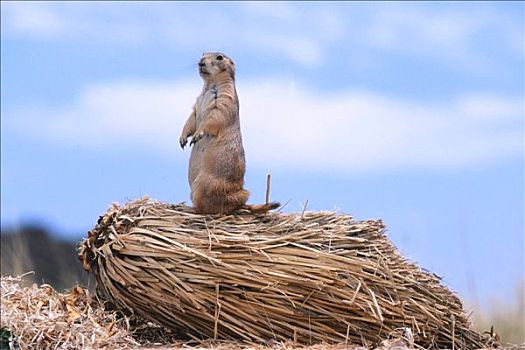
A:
(219, 57)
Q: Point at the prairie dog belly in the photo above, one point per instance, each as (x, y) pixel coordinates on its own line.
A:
(229, 163)
(204, 102)
(196, 158)
(223, 156)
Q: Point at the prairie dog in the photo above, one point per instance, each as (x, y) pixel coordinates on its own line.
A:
(217, 164)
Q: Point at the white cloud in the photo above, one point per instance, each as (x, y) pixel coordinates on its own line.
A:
(451, 34)
(285, 125)
(69, 21)
(359, 131)
(298, 49)
(281, 11)
(417, 32)
(447, 30)
(490, 108)
(304, 33)
(121, 114)
(256, 27)
(35, 19)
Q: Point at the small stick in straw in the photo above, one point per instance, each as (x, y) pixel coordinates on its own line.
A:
(268, 177)
(304, 209)
(453, 332)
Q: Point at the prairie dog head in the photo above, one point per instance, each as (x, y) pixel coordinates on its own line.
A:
(215, 64)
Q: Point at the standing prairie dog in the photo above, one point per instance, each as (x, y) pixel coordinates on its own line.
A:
(217, 165)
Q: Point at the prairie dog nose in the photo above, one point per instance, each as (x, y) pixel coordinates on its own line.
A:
(201, 64)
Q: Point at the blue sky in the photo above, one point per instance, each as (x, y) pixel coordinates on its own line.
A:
(410, 112)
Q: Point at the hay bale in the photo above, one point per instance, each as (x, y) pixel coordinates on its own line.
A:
(310, 277)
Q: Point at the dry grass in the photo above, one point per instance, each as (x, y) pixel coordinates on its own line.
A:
(309, 277)
(41, 318)
(507, 318)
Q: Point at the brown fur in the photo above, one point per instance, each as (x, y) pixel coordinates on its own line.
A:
(217, 165)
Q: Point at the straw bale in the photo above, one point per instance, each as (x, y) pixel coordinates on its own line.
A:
(310, 277)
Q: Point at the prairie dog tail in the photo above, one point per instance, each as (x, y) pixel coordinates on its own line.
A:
(261, 208)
